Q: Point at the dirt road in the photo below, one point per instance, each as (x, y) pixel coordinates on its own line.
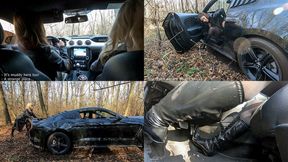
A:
(19, 149)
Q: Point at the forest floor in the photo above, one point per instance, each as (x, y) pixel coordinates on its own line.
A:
(19, 149)
(196, 64)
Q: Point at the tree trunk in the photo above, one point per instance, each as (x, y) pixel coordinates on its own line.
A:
(157, 18)
(67, 94)
(4, 105)
(23, 94)
(128, 107)
(182, 6)
(117, 97)
(81, 94)
(196, 6)
(61, 96)
(46, 94)
(41, 100)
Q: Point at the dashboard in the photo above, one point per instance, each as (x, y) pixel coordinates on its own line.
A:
(83, 51)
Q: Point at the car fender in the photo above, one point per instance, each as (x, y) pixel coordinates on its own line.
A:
(259, 19)
(270, 36)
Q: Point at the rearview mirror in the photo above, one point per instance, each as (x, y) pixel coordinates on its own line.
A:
(76, 19)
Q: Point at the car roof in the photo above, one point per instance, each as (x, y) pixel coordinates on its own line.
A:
(75, 112)
(91, 109)
(9, 8)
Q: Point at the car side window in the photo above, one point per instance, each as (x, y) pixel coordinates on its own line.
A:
(104, 114)
(88, 115)
(9, 34)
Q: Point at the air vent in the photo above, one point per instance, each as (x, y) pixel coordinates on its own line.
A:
(79, 42)
(100, 39)
(87, 42)
(71, 43)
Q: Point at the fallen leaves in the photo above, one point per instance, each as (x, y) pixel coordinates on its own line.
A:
(197, 64)
(19, 149)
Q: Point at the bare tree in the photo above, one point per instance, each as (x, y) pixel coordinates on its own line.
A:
(41, 100)
(128, 107)
(4, 104)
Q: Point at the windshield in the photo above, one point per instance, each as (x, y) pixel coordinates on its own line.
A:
(99, 23)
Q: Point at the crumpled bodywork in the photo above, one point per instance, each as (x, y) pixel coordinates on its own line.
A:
(263, 19)
(90, 130)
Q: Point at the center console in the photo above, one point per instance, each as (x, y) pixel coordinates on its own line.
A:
(80, 57)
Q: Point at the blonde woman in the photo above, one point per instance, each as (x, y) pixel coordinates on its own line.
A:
(31, 39)
(127, 33)
(23, 119)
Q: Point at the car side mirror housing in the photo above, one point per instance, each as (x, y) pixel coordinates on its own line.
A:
(76, 19)
(118, 118)
(8, 39)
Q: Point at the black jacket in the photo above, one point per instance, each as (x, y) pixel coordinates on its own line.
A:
(21, 119)
(49, 60)
(217, 18)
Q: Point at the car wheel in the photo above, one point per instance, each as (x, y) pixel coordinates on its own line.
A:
(58, 143)
(263, 60)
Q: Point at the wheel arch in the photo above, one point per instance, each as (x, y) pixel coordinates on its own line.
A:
(248, 36)
(268, 36)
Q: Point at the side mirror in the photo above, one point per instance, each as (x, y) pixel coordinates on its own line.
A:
(76, 19)
(8, 39)
(118, 118)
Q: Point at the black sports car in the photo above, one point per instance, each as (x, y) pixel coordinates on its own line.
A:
(261, 51)
(92, 127)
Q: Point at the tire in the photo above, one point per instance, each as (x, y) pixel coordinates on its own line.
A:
(58, 143)
(260, 59)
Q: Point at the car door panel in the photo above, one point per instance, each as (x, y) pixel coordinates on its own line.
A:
(83, 133)
(183, 30)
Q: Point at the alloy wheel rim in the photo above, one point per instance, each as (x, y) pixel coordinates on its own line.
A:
(58, 144)
(258, 64)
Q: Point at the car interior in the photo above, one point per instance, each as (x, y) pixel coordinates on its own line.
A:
(92, 114)
(82, 49)
(265, 140)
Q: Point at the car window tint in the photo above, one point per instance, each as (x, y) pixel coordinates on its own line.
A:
(105, 114)
(9, 34)
(87, 115)
(7, 26)
(70, 115)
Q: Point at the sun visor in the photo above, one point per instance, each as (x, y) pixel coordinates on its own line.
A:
(114, 5)
(51, 16)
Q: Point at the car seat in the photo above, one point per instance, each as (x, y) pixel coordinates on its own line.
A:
(124, 66)
(270, 123)
(16, 65)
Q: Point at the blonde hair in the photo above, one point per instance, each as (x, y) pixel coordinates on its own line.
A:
(30, 31)
(29, 106)
(127, 29)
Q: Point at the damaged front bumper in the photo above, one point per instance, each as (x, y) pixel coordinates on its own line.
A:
(37, 138)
